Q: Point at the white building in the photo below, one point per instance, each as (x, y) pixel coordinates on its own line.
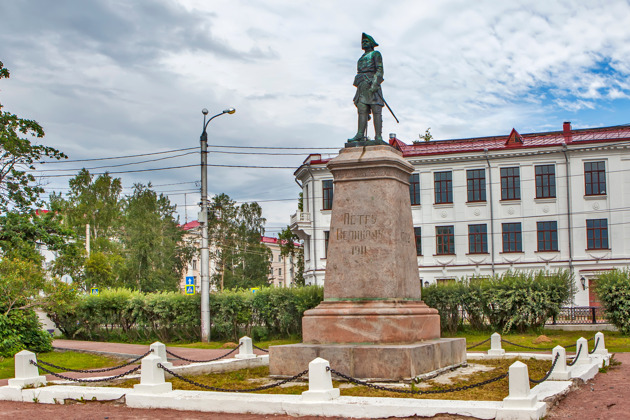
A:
(282, 268)
(485, 205)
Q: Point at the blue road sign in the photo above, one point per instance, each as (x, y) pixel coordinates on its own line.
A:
(94, 291)
(190, 280)
(190, 289)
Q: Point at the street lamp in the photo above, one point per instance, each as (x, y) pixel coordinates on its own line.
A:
(203, 221)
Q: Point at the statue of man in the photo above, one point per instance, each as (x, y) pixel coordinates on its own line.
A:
(369, 97)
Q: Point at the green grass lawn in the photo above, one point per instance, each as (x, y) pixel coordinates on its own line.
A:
(70, 359)
(615, 341)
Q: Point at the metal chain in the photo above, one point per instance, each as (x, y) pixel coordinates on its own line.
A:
(595, 347)
(67, 378)
(576, 356)
(203, 361)
(66, 369)
(256, 347)
(418, 391)
(213, 388)
(526, 347)
(478, 344)
(553, 365)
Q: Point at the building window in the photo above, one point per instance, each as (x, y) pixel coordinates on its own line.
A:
(445, 240)
(194, 264)
(547, 236)
(326, 237)
(443, 187)
(280, 258)
(414, 189)
(512, 237)
(595, 178)
(279, 272)
(545, 181)
(327, 190)
(510, 183)
(477, 239)
(418, 235)
(476, 180)
(597, 234)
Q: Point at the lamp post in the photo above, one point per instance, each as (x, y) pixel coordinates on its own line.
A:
(203, 221)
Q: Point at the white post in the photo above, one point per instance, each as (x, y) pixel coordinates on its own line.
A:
(320, 386)
(495, 345)
(560, 372)
(520, 403)
(601, 344)
(583, 357)
(246, 350)
(26, 373)
(159, 350)
(152, 377)
(519, 396)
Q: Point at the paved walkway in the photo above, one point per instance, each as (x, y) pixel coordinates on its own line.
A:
(607, 397)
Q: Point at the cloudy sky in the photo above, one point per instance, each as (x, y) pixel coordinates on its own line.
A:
(110, 78)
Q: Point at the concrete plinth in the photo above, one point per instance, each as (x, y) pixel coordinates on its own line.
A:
(377, 361)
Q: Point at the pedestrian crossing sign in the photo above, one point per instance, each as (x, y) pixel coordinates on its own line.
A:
(94, 291)
(190, 289)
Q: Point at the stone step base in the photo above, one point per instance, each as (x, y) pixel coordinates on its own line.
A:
(376, 362)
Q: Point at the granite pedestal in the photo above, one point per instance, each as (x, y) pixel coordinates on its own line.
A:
(372, 322)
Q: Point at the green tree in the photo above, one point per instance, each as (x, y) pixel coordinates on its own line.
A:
(287, 240)
(18, 154)
(154, 251)
(235, 233)
(22, 233)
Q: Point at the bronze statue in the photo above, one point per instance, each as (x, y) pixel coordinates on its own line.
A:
(369, 97)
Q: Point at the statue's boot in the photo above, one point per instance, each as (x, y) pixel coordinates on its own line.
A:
(378, 126)
(363, 119)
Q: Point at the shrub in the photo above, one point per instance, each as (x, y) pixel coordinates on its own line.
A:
(510, 301)
(613, 290)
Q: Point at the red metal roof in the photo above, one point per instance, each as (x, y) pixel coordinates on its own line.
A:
(512, 141)
(190, 225)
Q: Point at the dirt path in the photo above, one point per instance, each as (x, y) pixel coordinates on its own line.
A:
(606, 397)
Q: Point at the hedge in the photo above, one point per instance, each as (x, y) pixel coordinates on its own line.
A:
(613, 290)
(510, 301)
(125, 315)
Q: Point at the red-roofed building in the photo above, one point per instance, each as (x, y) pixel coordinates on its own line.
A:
(484, 205)
(282, 268)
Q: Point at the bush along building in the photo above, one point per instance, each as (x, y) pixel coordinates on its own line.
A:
(482, 206)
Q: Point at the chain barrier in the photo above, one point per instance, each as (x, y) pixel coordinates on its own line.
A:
(416, 391)
(256, 347)
(203, 361)
(526, 347)
(576, 356)
(478, 344)
(66, 369)
(594, 347)
(213, 388)
(544, 378)
(67, 378)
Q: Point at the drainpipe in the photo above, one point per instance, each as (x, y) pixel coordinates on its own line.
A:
(565, 151)
(485, 152)
(314, 239)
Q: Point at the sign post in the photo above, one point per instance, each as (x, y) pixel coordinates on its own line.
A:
(190, 285)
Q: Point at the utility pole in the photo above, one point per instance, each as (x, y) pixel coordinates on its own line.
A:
(203, 221)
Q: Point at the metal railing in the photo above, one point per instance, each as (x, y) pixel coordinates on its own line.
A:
(580, 315)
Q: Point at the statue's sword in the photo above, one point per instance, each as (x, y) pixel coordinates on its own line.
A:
(385, 102)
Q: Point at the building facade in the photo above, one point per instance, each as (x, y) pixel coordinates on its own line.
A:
(482, 206)
(282, 268)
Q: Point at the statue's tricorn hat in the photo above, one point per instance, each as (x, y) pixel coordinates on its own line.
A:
(366, 36)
